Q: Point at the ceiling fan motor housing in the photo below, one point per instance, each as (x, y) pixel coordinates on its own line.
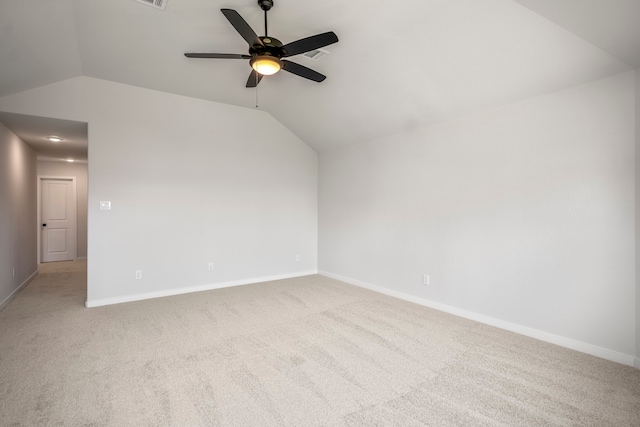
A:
(272, 47)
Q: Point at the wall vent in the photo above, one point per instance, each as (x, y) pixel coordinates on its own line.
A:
(315, 54)
(158, 4)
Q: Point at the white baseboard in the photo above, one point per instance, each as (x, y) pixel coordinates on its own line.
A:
(572, 344)
(13, 294)
(180, 291)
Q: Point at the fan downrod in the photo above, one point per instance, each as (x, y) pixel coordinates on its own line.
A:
(265, 5)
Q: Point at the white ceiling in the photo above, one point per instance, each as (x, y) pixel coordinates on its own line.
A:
(34, 131)
(612, 25)
(397, 66)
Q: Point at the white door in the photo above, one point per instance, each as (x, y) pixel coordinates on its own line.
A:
(58, 220)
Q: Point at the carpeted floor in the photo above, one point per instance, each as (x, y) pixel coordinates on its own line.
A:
(299, 352)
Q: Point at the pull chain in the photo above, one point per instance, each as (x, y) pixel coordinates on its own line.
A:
(256, 90)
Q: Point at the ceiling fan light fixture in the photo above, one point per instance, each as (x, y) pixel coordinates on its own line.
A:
(266, 64)
(265, 52)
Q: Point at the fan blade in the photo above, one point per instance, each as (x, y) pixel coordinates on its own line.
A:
(302, 71)
(217, 55)
(310, 43)
(242, 27)
(254, 79)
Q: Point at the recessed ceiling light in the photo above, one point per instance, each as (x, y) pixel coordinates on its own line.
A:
(54, 138)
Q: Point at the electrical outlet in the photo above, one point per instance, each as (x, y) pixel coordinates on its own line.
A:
(425, 279)
(298, 258)
(210, 266)
(138, 274)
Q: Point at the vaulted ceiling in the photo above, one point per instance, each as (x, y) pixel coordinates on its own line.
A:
(398, 65)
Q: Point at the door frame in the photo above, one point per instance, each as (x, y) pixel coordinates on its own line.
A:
(74, 222)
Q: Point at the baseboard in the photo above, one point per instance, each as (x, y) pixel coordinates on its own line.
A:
(13, 294)
(572, 344)
(208, 287)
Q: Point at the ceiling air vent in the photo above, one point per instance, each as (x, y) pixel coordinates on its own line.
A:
(158, 4)
(315, 54)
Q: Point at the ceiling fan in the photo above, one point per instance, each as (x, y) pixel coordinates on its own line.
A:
(266, 53)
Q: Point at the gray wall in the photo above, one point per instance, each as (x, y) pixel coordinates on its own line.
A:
(523, 214)
(18, 214)
(638, 218)
(191, 182)
(79, 171)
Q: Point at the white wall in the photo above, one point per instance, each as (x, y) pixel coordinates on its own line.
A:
(524, 214)
(190, 182)
(17, 214)
(637, 364)
(79, 171)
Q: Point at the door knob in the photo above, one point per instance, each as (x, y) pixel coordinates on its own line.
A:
(44, 225)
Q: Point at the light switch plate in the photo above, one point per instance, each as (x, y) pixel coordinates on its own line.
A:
(105, 206)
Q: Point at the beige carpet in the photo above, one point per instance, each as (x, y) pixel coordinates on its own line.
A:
(299, 352)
